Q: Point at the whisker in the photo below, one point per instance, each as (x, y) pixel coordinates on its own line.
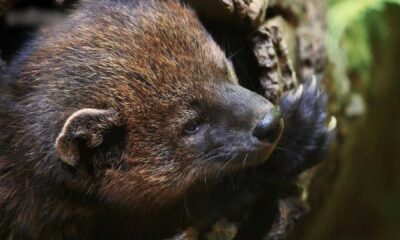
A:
(244, 161)
(234, 54)
(211, 152)
(281, 148)
(214, 157)
(227, 163)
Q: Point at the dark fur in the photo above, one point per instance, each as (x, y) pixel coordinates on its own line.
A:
(130, 173)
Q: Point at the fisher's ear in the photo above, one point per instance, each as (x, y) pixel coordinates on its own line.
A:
(85, 128)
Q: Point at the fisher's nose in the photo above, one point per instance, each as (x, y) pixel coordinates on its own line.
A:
(269, 128)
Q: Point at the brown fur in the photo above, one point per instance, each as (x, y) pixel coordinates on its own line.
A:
(147, 61)
(94, 128)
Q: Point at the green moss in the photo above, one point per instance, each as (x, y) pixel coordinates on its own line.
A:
(351, 27)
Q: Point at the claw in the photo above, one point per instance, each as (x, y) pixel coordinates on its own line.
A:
(313, 83)
(332, 124)
(299, 91)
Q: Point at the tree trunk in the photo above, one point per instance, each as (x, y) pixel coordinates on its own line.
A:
(355, 194)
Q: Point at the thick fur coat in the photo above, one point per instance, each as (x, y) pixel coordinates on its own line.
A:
(125, 121)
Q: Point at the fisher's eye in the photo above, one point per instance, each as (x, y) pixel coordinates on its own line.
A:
(193, 126)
